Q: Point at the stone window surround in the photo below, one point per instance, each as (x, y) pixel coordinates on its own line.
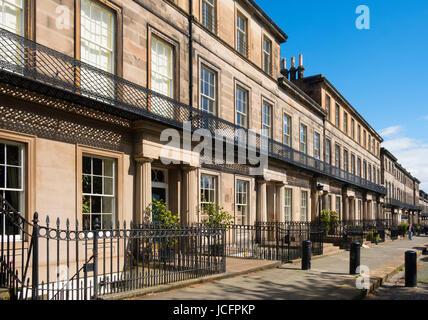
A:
(272, 122)
(91, 151)
(29, 141)
(218, 186)
(249, 195)
(203, 62)
(118, 45)
(151, 30)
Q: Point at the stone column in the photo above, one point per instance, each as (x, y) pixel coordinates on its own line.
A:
(352, 208)
(261, 201)
(189, 200)
(365, 213)
(270, 202)
(143, 188)
(279, 211)
(345, 205)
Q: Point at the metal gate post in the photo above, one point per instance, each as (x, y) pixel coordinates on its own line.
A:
(35, 266)
(95, 255)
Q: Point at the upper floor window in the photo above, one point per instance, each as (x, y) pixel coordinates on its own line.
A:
(162, 67)
(241, 107)
(328, 151)
(370, 173)
(12, 183)
(346, 160)
(327, 106)
(267, 55)
(365, 169)
(359, 134)
(359, 167)
(337, 156)
(317, 147)
(353, 164)
(97, 35)
(337, 116)
(241, 34)
(345, 123)
(98, 191)
(267, 120)
(364, 139)
(287, 130)
(370, 143)
(12, 16)
(303, 138)
(353, 129)
(208, 15)
(208, 90)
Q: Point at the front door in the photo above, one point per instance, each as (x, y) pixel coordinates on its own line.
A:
(159, 189)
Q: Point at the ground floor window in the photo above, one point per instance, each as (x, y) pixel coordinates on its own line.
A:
(359, 210)
(208, 191)
(338, 206)
(11, 182)
(242, 216)
(304, 207)
(98, 191)
(288, 204)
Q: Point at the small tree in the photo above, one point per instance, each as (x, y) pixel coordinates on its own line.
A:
(216, 216)
(329, 220)
(165, 216)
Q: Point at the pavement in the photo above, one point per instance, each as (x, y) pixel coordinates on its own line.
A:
(328, 279)
(395, 288)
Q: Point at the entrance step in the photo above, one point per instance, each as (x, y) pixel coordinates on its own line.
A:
(330, 249)
(4, 294)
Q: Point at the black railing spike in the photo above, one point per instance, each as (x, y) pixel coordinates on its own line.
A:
(47, 220)
(85, 224)
(36, 218)
(67, 223)
(77, 223)
(97, 224)
(58, 222)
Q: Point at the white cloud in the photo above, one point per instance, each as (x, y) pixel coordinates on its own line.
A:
(412, 154)
(390, 131)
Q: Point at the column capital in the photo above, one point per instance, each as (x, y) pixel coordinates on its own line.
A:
(140, 159)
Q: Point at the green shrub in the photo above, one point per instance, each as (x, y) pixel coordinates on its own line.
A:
(403, 228)
(329, 220)
(158, 210)
(216, 216)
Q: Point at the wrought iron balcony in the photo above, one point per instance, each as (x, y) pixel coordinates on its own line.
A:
(400, 204)
(40, 69)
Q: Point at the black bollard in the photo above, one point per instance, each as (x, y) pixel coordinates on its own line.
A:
(411, 270)
(306, 255)
(354, 261)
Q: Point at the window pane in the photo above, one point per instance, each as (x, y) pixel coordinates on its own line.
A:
(98, 185)
(2, 153)
(2, 176)
(108, 168)
(13, 155)
(86, 184)
(97, 166)
(108, 186)
(13, 178)
(107, 205)
(86, 165)
(95, 204)
(13, 197)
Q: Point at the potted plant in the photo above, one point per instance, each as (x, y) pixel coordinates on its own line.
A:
(217, 218)
(403, 228)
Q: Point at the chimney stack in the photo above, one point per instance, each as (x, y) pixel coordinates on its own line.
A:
(284, 70)
(301, 69)
(293, 69)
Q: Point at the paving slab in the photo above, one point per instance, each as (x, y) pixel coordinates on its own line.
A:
(328, 279)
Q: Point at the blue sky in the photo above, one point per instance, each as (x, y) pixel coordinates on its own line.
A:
(381, 71)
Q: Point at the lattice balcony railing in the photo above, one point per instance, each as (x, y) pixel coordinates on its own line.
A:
(35, 67)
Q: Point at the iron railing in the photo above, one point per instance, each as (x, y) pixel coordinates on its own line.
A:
(272, 241)
(54, 263)
(35, 67)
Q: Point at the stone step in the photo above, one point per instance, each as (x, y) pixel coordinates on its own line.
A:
(4, 294)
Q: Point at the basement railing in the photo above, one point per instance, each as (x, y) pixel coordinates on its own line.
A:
(29, 65)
